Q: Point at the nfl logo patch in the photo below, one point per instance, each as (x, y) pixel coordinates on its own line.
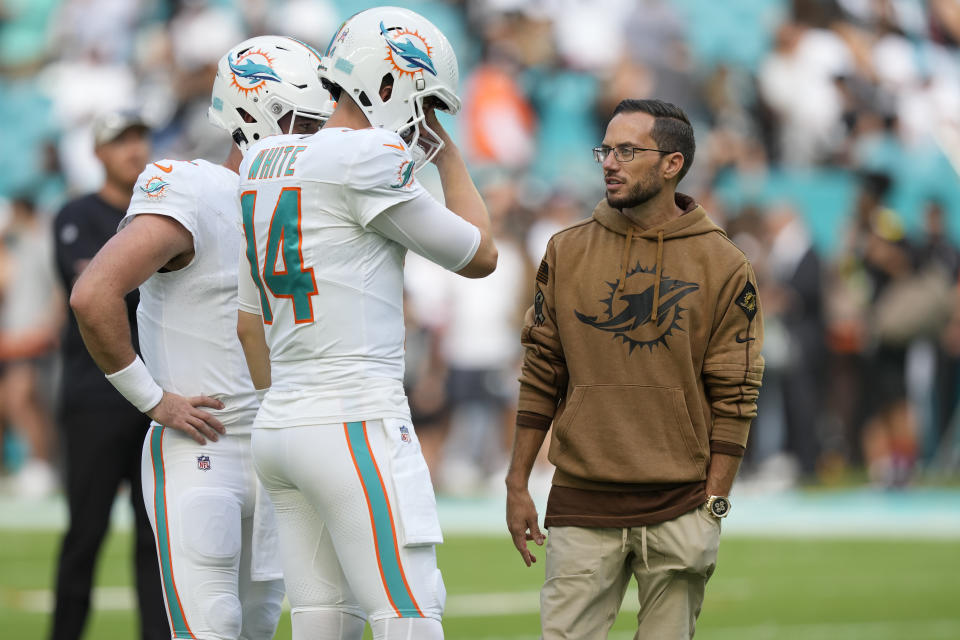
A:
(203, 463)
(404, 433)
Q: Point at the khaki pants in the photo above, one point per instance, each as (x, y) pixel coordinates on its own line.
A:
(588, 570)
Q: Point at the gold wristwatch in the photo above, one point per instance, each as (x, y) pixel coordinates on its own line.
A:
(718, 506)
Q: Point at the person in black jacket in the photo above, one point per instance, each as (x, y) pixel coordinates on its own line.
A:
(102, 433)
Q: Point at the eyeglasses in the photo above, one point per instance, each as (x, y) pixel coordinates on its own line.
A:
(622, 153)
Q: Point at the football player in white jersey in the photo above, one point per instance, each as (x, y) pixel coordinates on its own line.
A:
(179, 243)
(328, 220)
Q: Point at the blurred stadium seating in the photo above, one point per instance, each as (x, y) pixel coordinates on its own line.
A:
(799, 107)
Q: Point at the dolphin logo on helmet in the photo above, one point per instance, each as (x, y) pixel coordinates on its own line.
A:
(254, 72)
(408, 51)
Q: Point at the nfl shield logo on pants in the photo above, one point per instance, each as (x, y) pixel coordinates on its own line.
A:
(404, 433)
(203, 463)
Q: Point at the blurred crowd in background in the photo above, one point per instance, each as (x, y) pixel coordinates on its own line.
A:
(828, 135)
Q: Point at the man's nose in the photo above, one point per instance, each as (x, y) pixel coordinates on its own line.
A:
(610, 162)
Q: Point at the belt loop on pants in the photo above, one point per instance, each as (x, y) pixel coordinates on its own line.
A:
(623, 541)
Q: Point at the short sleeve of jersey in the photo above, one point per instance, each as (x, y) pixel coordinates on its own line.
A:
(166, 187)
(379, 176)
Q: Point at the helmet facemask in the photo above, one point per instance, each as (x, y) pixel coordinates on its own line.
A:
(423, 141)
(280, 109)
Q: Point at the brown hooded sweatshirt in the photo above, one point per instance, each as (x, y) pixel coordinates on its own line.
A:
(642, 349)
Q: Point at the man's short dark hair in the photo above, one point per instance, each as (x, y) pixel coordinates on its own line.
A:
(672, 130)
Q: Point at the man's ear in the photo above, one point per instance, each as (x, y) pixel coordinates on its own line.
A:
(673, 165)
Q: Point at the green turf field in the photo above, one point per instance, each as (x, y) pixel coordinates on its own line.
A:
(776, 589)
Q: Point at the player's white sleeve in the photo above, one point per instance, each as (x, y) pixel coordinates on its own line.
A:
(248, 296)
(166, 188)
(379, 175)
(429, 229)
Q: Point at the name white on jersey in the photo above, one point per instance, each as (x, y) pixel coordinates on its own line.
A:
(187, 319)
(329, 289)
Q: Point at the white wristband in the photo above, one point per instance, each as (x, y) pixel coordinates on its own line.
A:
(261, 394)
(136, 384)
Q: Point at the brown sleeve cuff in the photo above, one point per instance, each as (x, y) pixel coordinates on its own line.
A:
(528, 420)
(727, 448)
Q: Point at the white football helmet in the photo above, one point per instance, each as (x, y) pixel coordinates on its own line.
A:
(390, 43)
(265, 78)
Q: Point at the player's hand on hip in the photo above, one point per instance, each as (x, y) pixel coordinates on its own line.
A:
(522, 523)
(184, 415)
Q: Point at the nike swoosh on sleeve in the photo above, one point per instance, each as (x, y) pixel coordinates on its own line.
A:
(742, 340)
(395, 146)
(163, 168)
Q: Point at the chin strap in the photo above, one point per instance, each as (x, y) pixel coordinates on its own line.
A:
(239, 138)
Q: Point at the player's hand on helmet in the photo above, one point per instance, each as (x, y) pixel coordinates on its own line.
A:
(522, 523)
(184, 414)
(430, 119)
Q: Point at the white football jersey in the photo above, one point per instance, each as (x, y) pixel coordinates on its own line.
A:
(188, 318)
(329, 288)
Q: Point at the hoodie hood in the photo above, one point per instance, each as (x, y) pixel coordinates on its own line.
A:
(692, 222)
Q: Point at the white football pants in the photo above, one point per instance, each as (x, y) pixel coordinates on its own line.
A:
(218, 583)
(358, 527)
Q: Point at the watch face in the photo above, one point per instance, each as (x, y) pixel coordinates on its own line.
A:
(720, 507)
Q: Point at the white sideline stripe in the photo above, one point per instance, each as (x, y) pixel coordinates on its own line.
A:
(41, 600)
(492, 604)
(124, 599)
(526, 602)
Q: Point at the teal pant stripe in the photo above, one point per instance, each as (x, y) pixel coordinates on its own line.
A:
(384, 535)
(180, 629)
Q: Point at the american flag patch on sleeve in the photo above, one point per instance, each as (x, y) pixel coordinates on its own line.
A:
(543, 273)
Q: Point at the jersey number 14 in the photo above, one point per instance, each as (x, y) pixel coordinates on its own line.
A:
(293, 281)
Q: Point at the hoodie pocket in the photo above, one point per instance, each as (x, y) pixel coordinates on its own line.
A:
(628, 434)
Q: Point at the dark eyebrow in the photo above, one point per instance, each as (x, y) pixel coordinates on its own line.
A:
(621, 144)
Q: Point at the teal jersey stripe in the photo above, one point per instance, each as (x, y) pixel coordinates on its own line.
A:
(383, 533)
(180, 629)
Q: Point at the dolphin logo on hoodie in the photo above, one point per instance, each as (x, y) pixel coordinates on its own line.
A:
(630, 316)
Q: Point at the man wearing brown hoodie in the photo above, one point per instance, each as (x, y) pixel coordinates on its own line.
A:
(643, 353)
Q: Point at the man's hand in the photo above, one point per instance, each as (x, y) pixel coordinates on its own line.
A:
(522, 522)
(430, 119)
(182, 414)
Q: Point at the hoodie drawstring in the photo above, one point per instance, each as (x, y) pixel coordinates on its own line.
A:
(624, 258)
(643, 545)
(655, 311)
